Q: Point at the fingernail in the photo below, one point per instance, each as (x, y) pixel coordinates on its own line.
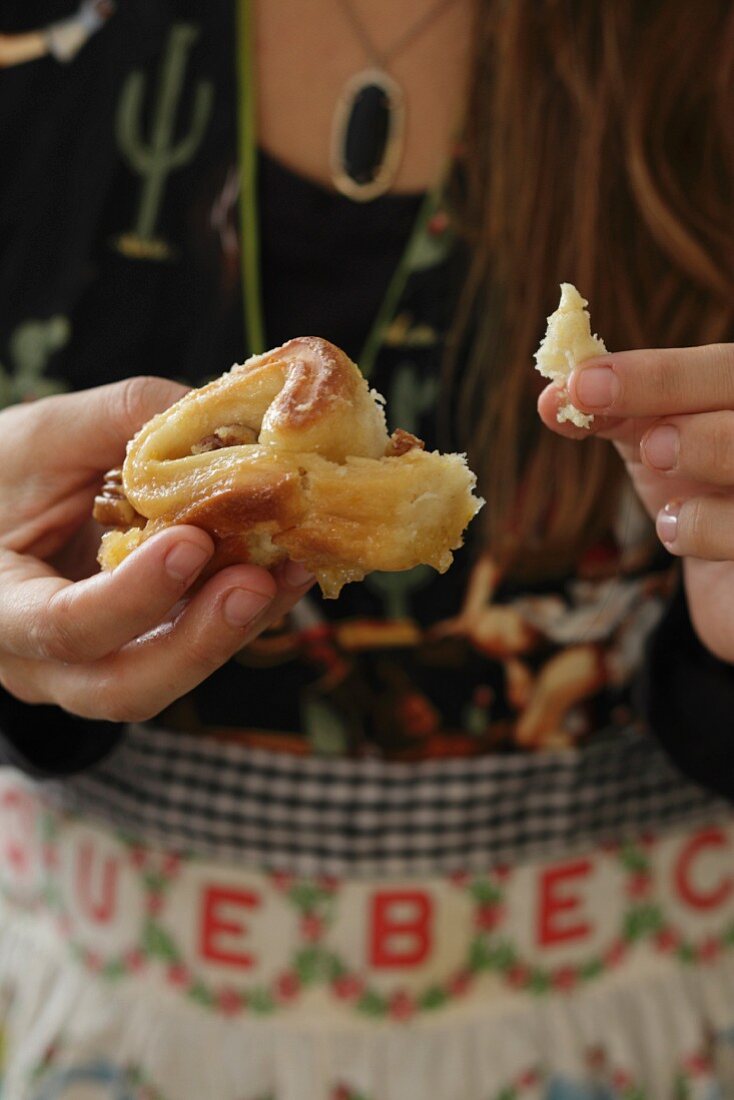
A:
(185, 560)
(661, 447)
(296, 575)
(596, 387)
(242, 606)
(667, 523)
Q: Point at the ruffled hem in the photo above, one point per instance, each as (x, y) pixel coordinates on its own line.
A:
(657, 1033)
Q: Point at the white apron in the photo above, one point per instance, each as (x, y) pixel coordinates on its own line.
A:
(133, 969)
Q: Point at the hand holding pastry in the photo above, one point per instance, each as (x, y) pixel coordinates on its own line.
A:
(118, 645)
(670, 413)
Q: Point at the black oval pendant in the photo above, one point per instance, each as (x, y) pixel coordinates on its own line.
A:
(367, 136)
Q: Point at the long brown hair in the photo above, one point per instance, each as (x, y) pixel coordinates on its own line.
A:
(599, 151)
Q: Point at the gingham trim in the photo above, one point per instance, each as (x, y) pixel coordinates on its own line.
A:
(310, 815)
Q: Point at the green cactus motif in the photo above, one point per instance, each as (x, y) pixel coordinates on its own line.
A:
(395, 589)
(155, 160)
(31, 347)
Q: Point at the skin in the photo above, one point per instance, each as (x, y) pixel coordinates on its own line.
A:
(123, 645)
(670, 415)
(294, 39)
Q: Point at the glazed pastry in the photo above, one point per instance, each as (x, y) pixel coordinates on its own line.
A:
(567, 342)
(288, 456)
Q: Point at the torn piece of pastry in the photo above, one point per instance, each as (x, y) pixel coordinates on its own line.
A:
(568, 342)
(288, 456)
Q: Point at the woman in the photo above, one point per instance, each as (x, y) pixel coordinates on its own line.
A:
(343, 871)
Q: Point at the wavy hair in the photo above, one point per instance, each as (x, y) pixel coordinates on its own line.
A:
(600, 151)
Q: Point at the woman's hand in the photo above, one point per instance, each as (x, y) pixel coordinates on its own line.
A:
(119, 646)
(670, 414)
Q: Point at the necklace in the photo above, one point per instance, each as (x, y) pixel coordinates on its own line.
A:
(369, 120)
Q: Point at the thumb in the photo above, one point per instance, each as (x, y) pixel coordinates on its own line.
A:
(92, 427)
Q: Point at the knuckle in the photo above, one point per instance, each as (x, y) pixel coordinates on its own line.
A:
(699, 532)
(666, 381)
(721, 447)
(59, 634)
(55, 639)
(203, 658)
(696, 526)
(203, 652)
(721, 356)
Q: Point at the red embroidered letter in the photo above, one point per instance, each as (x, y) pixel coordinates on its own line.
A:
(99, 908)
(400, 932)
(697, 898)
(214, 924)
(553, 901)
(18, 829)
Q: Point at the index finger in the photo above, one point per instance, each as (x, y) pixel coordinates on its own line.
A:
(657, 382)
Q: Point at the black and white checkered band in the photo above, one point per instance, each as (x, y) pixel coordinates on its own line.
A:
(371, 817)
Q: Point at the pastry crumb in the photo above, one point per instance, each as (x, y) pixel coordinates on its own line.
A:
(568, 341)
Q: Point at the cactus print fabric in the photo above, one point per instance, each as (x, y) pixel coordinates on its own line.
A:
(130, 264)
